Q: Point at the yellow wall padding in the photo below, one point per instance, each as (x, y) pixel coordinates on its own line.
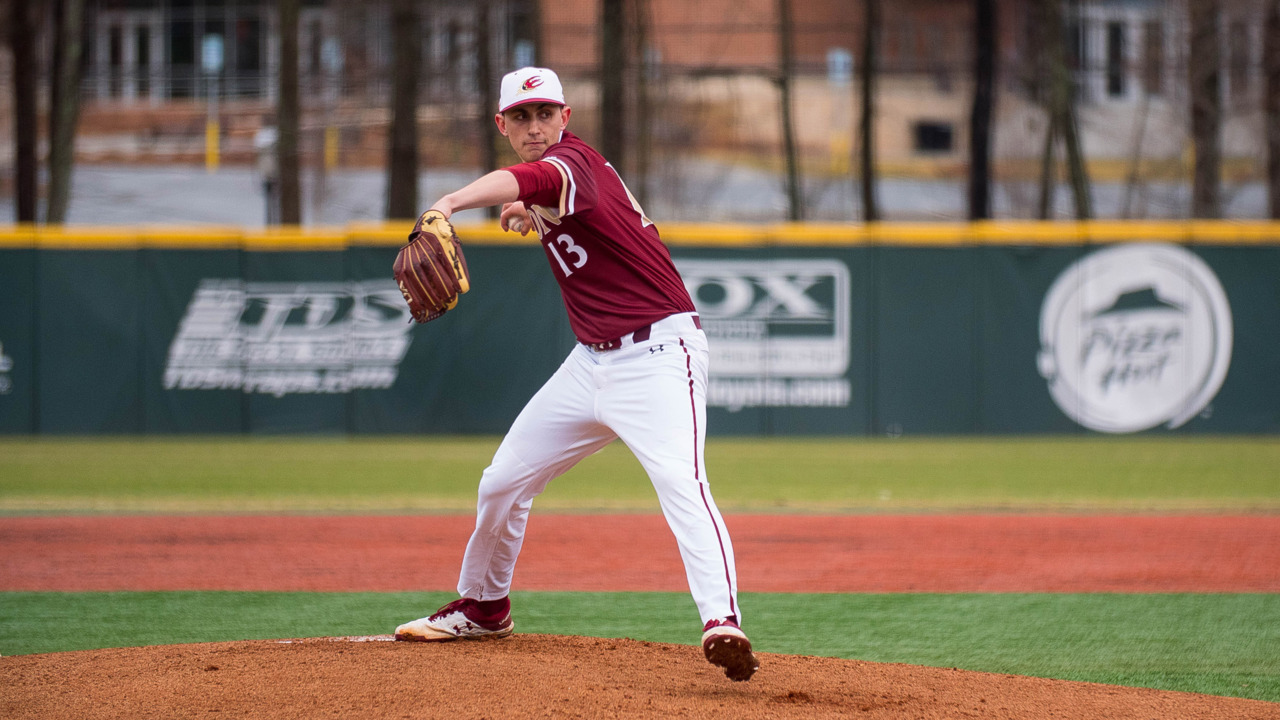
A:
(390, 234)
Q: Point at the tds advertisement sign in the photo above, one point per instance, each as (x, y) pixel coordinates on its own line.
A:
(285, 338)
(1135, 336)
(778, 330)
(6, 365)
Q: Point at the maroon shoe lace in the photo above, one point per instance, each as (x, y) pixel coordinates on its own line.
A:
(460, 604)
(470, 609)
(731, 621)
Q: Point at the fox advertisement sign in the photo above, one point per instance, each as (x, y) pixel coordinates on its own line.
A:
(778, 330)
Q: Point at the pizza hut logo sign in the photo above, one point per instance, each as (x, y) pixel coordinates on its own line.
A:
(1135, 336)
(531, 83)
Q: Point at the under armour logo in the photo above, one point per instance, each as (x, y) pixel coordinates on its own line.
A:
(653, 350)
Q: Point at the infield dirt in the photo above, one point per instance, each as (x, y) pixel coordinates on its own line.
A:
(775, 553)
(576, 677)
(544, 676)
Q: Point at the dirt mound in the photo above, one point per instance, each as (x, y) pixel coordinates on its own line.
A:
(542, 676)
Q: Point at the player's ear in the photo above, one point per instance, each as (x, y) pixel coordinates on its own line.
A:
(564, 116)
(501, 122)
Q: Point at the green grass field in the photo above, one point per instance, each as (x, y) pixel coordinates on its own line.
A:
(1212, 643)
(748, 475)
(1215, 644)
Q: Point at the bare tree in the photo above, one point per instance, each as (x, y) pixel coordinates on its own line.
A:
(22, 39)
(484, 78)
(984, 72)
(1271, 65)
(642, 149)
(1061, 110)
(64, 112)
(866, 126)
(289, 116)
(1206, 108)
(613, 60)
(786, 61)
(402, 144)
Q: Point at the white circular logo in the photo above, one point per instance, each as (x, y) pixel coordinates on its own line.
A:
(1133, 336)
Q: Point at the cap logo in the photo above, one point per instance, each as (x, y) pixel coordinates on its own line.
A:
(531, 83)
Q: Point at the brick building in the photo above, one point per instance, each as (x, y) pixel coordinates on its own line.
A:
(705, 69)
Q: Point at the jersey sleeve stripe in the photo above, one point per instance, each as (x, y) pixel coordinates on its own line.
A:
(569, 190)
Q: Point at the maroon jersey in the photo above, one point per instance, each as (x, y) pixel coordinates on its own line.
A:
(614, 272)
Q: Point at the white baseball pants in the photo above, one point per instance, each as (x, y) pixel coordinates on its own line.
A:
(652, 395)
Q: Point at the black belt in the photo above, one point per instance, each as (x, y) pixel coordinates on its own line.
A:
(640, 335)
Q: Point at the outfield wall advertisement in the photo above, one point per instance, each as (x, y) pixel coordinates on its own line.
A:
(830, 338)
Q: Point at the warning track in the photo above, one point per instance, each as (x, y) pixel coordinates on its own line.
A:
(775, 553)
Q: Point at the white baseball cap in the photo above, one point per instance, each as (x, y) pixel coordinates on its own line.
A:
(530, 84)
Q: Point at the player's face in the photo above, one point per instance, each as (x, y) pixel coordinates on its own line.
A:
(533, 128)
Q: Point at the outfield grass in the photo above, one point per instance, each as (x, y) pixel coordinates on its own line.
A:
(1214, 644)
(1184, 473)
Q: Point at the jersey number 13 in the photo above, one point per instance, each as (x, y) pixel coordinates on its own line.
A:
(577, 253)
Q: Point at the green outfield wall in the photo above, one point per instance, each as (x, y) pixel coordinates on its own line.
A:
(832, 330)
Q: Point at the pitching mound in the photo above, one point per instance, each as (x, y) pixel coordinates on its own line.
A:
(542, 676)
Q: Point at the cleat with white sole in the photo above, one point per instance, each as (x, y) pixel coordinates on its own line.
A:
(459, 620)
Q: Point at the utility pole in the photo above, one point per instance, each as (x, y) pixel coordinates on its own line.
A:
(613, 60)
(786, 61)
(484, 78)
(64, 111)
(642, 151)
(211, 59)
(22, 38)
(402, 145)
(984, 70)
(1206, 108)
(866, 128)
(289, 116)
(1271, 68)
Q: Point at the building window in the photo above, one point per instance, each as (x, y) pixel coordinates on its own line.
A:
(142, 59)
(1077, 49)
(1238, 47)
(247, 80)
(933, 136)
(1115, 59)
(1153, 57)
(115, 60)
(936, 51)
(182, 58)
(1077, 52)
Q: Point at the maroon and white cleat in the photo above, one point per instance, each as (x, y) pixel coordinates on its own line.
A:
(726, 646)
(461, 619)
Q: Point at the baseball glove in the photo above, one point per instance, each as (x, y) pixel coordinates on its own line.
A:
(430, 269)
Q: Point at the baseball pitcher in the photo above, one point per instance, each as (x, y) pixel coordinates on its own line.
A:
(638, 372)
